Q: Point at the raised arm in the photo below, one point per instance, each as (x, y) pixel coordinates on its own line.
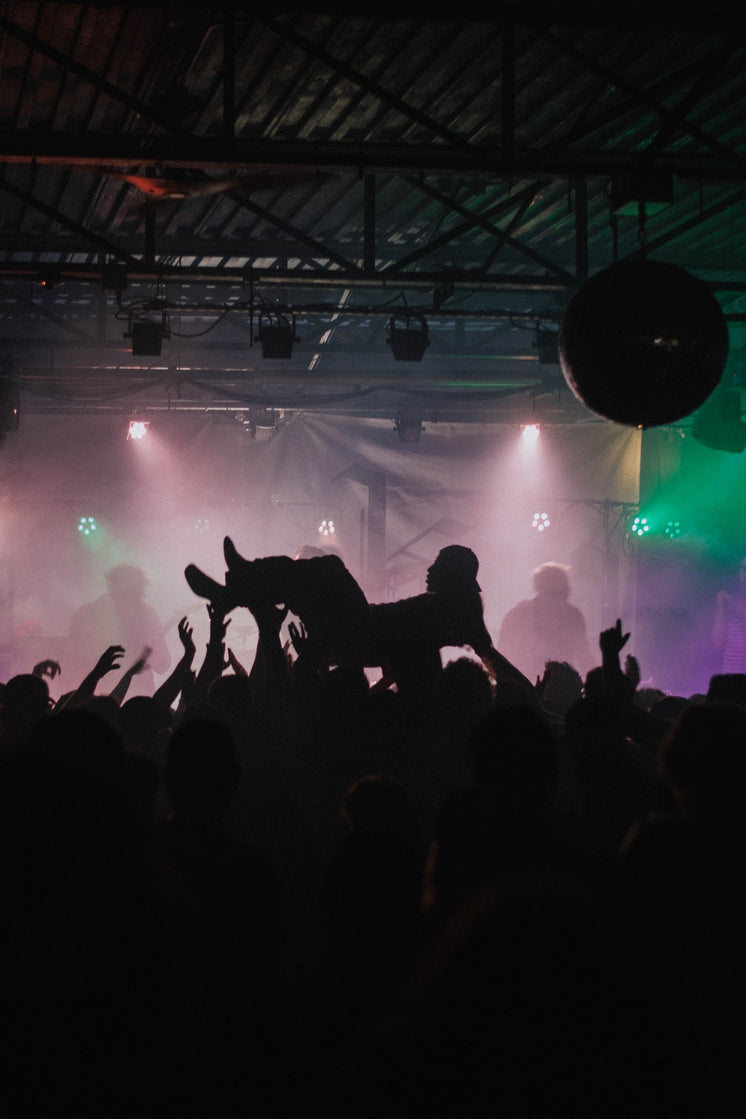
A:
(119, 691)
(107, 662)
(182, 675)
(644, 729)
(214, 662)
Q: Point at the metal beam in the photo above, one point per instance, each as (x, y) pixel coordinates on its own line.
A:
(99, 153)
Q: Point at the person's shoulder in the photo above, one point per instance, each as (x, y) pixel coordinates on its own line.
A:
(523, 607)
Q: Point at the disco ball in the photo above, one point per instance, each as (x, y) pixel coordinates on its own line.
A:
(643, 343)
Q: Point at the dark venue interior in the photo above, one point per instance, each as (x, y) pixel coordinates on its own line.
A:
(439, 805)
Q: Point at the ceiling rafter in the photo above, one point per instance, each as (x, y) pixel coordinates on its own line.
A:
(669, 116)
(307, 162)
(315, 50)
(83, 72)
(485, 221)
(665, 86)
(495, 231)
(94, 239)
(711, 67)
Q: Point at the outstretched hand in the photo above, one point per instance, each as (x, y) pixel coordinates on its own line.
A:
(186, 636)
(218, 623)
(612, 640)
(141, 662)
(232, 661)
(47, 668)
(109, 660)
(298, 637)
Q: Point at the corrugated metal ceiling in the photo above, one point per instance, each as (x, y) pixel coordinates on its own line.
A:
(344, 167)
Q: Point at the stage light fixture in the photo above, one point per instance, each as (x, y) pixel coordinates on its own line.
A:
(408, 425)
(137, 429)
(202, 525)
(147, 334)
(326, 528)
(541, 522)
(87, 526)
(276, 335)
(717, 425)
(147, 337)
(530, 433)
(640, 526)
(672, 529)
(408, 337)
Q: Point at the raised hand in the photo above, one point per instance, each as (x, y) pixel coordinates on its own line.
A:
(612, 640)
(186, 636)
(233, 662)
(47, 668)
(141, 662)
(298, 637)
(109, 660)
(218, 622)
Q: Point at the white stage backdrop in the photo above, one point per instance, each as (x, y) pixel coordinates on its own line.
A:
(171, 498)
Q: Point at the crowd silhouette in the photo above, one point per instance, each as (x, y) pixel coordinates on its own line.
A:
(279, 886)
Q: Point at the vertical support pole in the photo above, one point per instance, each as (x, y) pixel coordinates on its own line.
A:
(610, 573)
(375, 566)
(369, 224)
(149, 234)
(101, 307)
(376, 534)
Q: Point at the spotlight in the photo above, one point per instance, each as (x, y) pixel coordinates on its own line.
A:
(540, 522)
(326, 528)
(408, 343)
(147, 336)
(530, 433)
(202, 525)
(276, 335)
(640, 526)
(717, 424)
(672, 529)
(87, 526)
(408, 425)
(137, 429)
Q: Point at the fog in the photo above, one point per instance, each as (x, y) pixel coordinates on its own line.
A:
(170, 498)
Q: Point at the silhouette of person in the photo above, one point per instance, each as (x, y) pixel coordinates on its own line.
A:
(121, 616)
(729, 626)
(408, 635)
(546, 627)
(404, 637)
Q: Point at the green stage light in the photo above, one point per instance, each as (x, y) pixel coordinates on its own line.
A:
(672, 529)
(640, 526)
(87, 526)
